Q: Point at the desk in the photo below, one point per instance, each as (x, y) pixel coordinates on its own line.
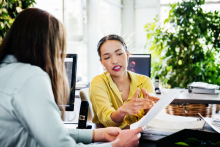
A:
(186, 97)
(142, 142)
(77, 93)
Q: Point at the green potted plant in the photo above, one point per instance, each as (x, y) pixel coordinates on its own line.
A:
(9, 9)
(186, 47)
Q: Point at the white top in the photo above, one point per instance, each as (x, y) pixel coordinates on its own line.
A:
(29, 115)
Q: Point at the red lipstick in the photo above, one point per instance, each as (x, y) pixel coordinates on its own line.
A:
(117, 68)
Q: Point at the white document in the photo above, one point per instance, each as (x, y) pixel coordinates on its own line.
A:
(209, 121)
(160, 105)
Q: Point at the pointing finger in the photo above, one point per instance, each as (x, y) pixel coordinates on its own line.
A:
(137, 93)
(145, 95)
(154, 98)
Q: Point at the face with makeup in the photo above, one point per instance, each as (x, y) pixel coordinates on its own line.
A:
(114, 57)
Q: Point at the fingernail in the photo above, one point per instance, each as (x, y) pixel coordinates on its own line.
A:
(144, 128)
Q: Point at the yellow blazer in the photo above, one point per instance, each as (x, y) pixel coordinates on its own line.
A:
(106, 98)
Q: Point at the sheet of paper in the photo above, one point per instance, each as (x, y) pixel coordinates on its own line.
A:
(167, 117)
(175, 126)
(209, 121)
(160, 105)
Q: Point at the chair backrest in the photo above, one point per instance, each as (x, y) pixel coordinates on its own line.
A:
(84, 95)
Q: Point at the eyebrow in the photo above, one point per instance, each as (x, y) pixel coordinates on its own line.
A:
(109, 53)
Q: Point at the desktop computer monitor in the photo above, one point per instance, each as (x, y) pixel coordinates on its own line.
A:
(71, 66)
(140, 63)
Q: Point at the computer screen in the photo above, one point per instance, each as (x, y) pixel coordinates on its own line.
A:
(71, 66)
(140, 63)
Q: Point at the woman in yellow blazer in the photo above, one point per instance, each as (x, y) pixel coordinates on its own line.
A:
(119, 97)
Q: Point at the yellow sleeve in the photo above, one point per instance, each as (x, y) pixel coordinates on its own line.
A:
(101, 102)
(148, 85)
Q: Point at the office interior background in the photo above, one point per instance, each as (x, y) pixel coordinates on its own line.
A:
(181, 35)
(87, 21)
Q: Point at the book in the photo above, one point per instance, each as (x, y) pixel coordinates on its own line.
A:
(201, 87)
(204, 90)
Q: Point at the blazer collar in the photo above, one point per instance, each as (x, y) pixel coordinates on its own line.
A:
(135, 83)
(9, 59)
(113, 86)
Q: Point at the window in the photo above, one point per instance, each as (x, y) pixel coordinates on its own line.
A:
(210, 5)
(70, 13)
(73, 14)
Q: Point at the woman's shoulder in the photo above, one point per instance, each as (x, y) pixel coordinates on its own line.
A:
(17, 74)
(29, 70)
(139, 77)
(21, 69)
(101, 79)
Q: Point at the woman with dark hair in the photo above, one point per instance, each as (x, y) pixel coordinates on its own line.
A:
(119, 97)
(33, 84)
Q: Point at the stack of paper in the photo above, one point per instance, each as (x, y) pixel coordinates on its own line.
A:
(164, 124)
(201, 87)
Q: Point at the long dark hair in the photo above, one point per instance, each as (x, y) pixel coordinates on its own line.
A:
(38, 38)
(110, 37)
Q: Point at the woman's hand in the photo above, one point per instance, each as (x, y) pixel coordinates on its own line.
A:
(136, 104)
(106, 134)
(127, 138)
(133, 106)
(147, 95)
(152, 98)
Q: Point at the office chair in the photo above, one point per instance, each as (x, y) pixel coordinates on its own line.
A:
(84, 95)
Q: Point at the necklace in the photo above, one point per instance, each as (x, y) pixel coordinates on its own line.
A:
(121, 89)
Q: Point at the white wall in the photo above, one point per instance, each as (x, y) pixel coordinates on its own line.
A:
(145, 12)
(54, 7)
(104, 17)
(112, 14)
(110, 17)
